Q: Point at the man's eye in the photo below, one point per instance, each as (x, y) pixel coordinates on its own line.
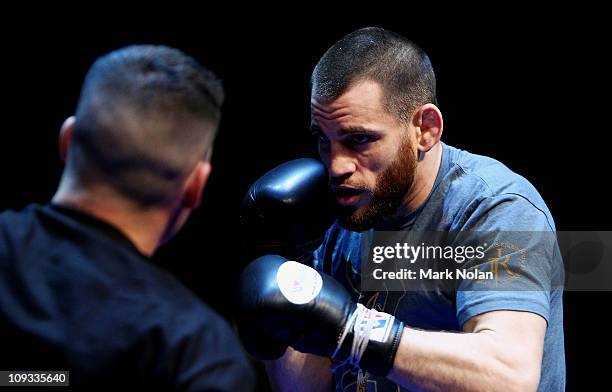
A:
(361, 138)
(320, 136)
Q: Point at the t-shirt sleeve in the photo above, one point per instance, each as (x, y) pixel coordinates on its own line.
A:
(521, 252)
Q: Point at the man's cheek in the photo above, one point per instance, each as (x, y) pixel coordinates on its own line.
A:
(324, 156)
(370, 181)
(371, 168)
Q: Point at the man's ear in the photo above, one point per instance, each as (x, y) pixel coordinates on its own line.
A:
(428, 120)
(65, 137)
(195, 184)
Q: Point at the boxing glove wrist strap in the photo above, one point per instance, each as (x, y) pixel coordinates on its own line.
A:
(375, 338)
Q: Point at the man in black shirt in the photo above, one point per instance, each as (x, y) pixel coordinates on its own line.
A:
(77, 289)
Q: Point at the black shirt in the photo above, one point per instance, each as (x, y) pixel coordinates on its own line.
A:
(76, 295)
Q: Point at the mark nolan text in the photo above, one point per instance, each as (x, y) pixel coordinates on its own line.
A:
(429, 274)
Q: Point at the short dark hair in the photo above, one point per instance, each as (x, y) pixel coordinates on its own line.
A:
(145, 116)
(401, 67)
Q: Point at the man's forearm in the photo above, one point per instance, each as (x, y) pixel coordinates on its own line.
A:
(299, 372)
(461, 362)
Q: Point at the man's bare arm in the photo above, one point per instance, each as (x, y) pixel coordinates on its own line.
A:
(499, 351)
(299, 372)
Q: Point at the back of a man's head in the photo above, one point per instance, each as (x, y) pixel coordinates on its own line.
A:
(145, 117)
(397, 64)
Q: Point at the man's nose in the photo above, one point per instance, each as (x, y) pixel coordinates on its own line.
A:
(341, 164)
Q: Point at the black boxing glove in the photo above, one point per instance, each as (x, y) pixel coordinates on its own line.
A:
(288, 210)
(285, 303)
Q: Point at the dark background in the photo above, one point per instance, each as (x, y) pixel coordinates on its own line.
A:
(519, 86)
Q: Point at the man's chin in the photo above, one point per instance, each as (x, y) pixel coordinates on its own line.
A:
(355, 220)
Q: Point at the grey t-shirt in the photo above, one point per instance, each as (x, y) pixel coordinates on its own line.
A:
(471, 193)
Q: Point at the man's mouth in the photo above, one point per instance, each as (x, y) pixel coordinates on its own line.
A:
(347, 196)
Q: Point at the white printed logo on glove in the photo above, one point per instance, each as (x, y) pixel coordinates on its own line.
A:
(299, 283)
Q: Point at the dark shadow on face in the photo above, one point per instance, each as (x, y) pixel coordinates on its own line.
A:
(390, 191)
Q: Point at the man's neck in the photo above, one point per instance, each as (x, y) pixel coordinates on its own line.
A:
(143, 227)
(424, 180)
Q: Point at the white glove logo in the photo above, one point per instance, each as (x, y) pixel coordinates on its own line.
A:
(298, 283)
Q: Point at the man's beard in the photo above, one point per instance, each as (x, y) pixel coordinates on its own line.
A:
(388, 195)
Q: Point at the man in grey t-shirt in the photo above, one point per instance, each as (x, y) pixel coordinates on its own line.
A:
(379, 129)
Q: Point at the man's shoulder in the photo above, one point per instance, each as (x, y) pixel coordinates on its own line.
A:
(10, 217)
(16, 225)
(99, 268)
(476, 182)
(171, 295)
(492, 177)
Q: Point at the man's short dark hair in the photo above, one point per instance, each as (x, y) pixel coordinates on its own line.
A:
(145, 116)
(400, 66)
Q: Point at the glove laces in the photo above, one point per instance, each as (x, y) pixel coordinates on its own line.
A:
(361, 322)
